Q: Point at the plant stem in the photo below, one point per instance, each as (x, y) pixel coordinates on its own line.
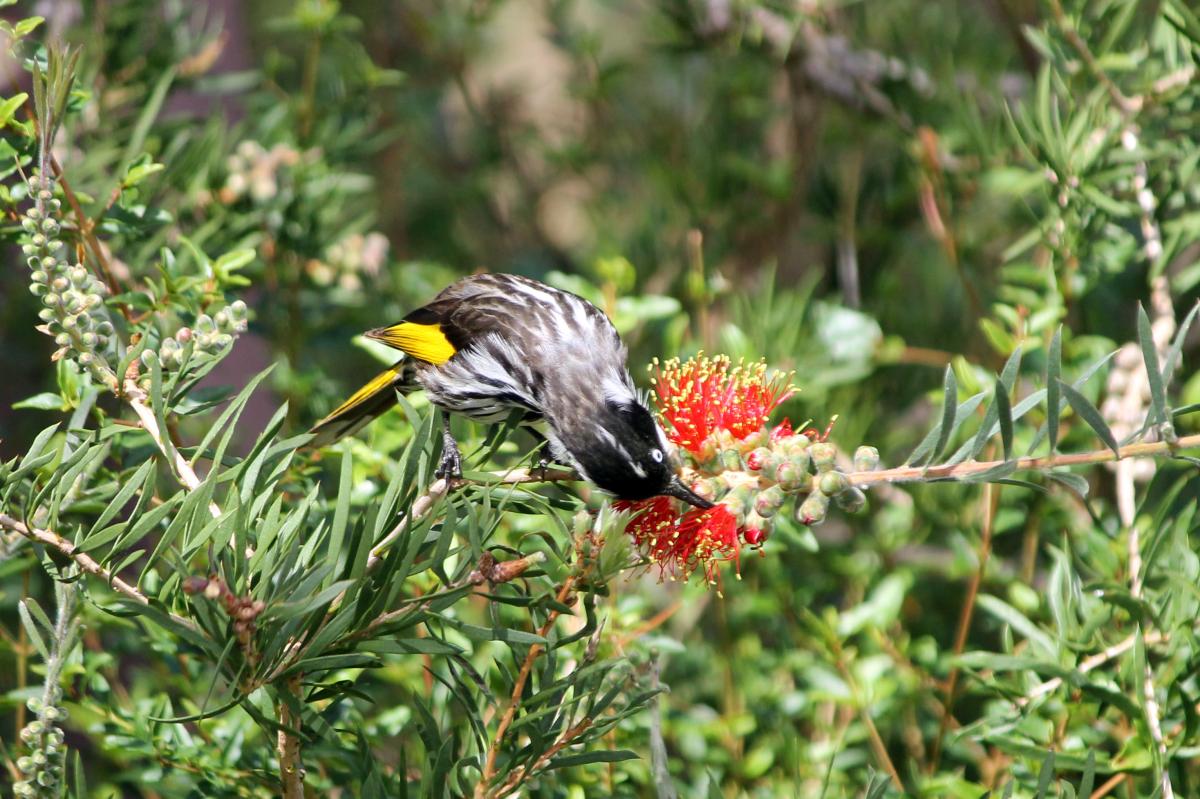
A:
(291, 769)
(913, 474)
(489, 768)
(82, 560)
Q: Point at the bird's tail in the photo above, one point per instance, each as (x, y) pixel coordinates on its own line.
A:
(369, 402)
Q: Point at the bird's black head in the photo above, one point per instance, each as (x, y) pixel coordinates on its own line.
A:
(627, 454)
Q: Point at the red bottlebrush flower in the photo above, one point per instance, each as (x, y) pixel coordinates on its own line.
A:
(706, 394)
(699, 540)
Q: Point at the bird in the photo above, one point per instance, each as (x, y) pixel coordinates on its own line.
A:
(491, 345)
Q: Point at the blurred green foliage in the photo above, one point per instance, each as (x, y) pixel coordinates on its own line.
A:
(888, 198)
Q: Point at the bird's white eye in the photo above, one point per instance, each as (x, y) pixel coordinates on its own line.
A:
(656, 455)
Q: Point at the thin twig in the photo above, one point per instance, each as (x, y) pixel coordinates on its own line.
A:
(864, 715)
(1127, 105)
(911, 474)
(991, 500)
(179, 464)
(440, 488)
(518, 774)
(1093, 662)
(82, 560)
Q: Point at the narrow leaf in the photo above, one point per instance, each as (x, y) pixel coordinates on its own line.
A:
(1053, 393)
(1087, 411)
(1158, 394)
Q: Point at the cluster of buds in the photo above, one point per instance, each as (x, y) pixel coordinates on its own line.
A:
(74, 313)
(242, 610)
(253, 171)
(492, 571)
(348, 259)
(210, 337)
(716, 414)
(41, 769)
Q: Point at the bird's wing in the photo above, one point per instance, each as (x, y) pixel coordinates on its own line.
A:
(461, 314)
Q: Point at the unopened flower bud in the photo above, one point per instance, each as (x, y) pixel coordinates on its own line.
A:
(33, 213)
(852, 500)
(25, 764)
(49, 262)
(37, 239)
(149, 358)
(757, 459)
(813, 509)
(832, 483)
(52, 300)
(756, 529)
(731, 460)
(46, 314)
(78, 275)
(62, 340)
(769, 501)
(823, 455)
(204, 323)
(35, 704)
(790, 477)
(866, 459)
(184, 334)
(50, 226)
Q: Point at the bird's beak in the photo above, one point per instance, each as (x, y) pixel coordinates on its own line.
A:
(677, 489)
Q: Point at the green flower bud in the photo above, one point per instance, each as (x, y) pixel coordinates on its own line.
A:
(223, 340)
(39, 758)
(50, 226)
(49, 262)
(757, 459)
(47, 780)
(62, 340)
(79, 276)
(28, 250)
(24, 790)
(790, 477)
(149, 358)
(37, 239)
(52, 300)
(54, 245)
(769, 501)
(238, 309)
(204, 324)
(813, 509)
(89, 340)
(866, 459)
(37, 289)
(832, 483)
(104, 328)
(33, 213)
(25, 764)
(823, 455)
(46, 314)
(221, 318)
(852, 500)
(45, 194)
(731, 460)
(86, 359)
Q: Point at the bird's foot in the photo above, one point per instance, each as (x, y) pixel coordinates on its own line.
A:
(450, 466)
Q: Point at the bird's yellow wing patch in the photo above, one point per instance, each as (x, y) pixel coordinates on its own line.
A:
(424, 342)
(378, 383)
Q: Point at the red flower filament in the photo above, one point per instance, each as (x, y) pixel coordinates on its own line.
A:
(699, 540)
(705, 395)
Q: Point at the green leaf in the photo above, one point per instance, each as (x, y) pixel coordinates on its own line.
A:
(1006, 613)
(1087, 411)
(1053, 392)
(24, 607)
(949, 409)
(602, 756)
(1158, 395)
(1004, 418)
(46, 401)
(10, 107)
